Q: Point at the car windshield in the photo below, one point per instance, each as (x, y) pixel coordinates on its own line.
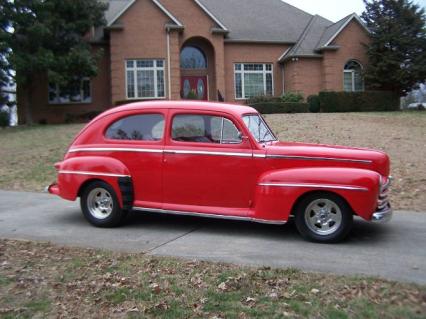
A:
(258, 128)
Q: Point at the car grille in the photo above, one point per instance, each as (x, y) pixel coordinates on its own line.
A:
(383, 200)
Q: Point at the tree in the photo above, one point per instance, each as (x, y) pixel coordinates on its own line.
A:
(397, 52)
(48, 37)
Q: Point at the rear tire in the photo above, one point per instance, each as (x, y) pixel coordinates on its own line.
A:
(323, 218)
(100, 205)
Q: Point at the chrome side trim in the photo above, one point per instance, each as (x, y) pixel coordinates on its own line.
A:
(147, 150)
(114, 149)
(343, 187)
(182, 213)
(311, 158)
(92, 173)
(209, 153)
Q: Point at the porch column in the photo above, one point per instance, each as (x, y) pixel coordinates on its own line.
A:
(220, 65)
(174, 66)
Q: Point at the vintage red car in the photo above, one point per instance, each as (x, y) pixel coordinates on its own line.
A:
(218, 160)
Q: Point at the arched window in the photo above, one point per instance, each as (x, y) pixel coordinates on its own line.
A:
(192, 58)
(352, 77)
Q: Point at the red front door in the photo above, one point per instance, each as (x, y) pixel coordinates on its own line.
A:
(194, 87)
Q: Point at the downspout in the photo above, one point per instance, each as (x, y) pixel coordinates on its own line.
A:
(169, 77)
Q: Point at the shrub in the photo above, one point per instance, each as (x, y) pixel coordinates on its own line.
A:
(4, 118)
(280, 107)
(292, 97)
(192, 95)
(314, 103)
(370, 101)
(263, 99)
(81, 117)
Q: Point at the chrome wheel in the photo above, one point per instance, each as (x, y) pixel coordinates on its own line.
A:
(323, 216)
(100, 203)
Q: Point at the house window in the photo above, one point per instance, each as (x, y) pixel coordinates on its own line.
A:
(145, 79)
(352, 77)
(192, 58)
(253, 80)
(74, 92)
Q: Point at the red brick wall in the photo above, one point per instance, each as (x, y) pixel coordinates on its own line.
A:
(252, 53)
(143, 36)
(58, 113)
(303, 75)
(350, 41)
(198, 25)
(309, 75)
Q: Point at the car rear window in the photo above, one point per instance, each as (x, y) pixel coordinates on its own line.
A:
(144, 127)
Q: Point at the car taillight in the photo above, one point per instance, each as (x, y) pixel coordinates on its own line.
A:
(57, 165)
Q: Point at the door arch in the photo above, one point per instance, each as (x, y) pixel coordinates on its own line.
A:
(198, 80)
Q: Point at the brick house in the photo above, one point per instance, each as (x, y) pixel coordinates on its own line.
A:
(226, 50)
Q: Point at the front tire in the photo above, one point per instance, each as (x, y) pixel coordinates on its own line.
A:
(323, 218)
(100, 205)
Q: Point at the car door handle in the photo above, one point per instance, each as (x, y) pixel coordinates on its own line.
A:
(169, 152)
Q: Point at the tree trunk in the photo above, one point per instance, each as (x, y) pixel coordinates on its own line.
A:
(28, 104)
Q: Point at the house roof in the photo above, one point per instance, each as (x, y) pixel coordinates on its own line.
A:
(259, 20)
(270, 21)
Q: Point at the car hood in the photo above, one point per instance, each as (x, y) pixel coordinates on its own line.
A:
(346, 156)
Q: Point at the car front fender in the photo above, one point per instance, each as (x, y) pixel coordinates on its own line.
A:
(278, 191)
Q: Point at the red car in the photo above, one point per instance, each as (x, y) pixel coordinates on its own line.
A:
(222, 161)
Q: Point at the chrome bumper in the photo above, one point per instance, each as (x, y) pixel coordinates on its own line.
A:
(382, 216)
(384, 210)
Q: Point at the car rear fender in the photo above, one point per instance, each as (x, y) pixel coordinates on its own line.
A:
(77, 172)
(278, 191)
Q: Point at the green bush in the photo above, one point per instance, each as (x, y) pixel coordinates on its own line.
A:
(192, 95)
(370, 101)
(4, 118)
(292, 97)
(280, 107)
(263, 99)
(314, 103)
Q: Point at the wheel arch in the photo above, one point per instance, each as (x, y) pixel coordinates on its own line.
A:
(278, 191)
(311, 192)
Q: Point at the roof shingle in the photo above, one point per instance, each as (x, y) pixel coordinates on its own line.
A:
(262, 21)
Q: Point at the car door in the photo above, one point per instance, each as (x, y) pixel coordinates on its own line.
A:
(137, 140)
(208, 167)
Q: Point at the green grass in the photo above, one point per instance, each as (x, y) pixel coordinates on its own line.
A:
(28, 155)
(100, 284)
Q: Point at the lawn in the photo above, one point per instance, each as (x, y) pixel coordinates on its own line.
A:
(39, 280)
(43, 280)
(28, 153)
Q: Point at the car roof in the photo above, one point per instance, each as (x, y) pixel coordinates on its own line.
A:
(234, 109)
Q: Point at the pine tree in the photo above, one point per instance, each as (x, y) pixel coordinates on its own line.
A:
(48, 37)
(397, 52)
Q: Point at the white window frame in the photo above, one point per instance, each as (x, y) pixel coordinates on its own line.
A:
(242, 72)
(352, 73)
(135, 70)
(58, 94)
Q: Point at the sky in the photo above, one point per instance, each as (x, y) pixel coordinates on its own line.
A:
(335, 10)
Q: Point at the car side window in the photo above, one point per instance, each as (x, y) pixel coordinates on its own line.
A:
(204, 129)
(144, 127)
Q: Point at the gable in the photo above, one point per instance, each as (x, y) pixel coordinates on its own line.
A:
(353, 33)
(336, 29)
(117, 8)
(194, 17)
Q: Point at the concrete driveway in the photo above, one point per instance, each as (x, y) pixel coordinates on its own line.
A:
(395, 251)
